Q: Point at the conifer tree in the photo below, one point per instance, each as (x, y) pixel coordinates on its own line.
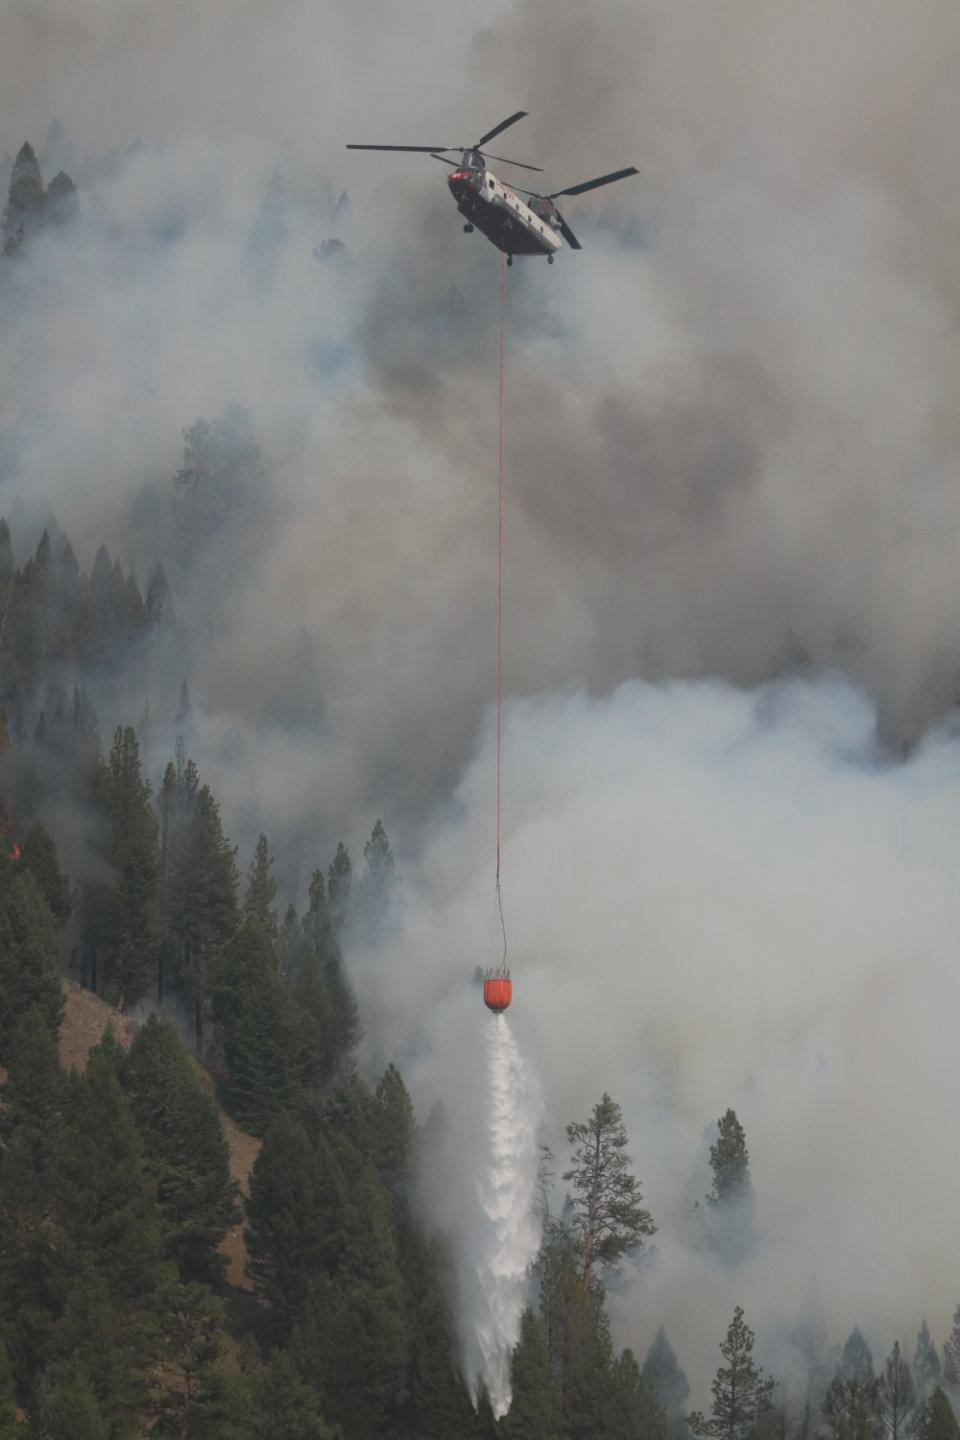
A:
(609, 1220)
(291, 1410)
(8, 1406)
(132, 849)
(730, 1217)
(26, 206)
(926, 1364)
(28, 949)
(185, 1152)
(262, 890)
(662, 1370)
(897, 1404)
(71, 1411)
(62, 200)
(378, 885)
(740, 1393)
(194, 1323)
(203, 903)
(951, 1355)
(851, 1403)
(938, 1421)
(253, 1014)
(635, 1406)
(221, 474)
(340, 888)
(39, 855)
(534, 1412)
(395, 1130)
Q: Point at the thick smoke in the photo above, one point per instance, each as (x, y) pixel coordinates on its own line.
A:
(715, 898)
(731, 443)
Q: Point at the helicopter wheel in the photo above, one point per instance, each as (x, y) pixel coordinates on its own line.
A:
(509, 259)
(468, 229)
(549, 259)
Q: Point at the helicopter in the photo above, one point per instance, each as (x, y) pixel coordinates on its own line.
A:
(532, 226)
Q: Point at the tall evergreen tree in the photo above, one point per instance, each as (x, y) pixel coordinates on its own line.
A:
(951, 1355)
(662, 1370)
(938, 1421)
(255, 1022)
(609, 1220)
(132, 850)
(897, 1404)
(185, 1152)
(262, 890)
(851, 1404)
(636, 1408)
(28, 951)
(39, 855)
(203, 903)
(926, 1364)
(71, 1410)
(740, 1393)
(26, 207)
(730, 1217)
(534, 1412)
(340, 888)
(379, 884)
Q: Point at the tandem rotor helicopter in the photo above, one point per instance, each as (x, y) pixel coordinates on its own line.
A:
(518, 227)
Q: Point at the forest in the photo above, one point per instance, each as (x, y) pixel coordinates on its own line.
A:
(117, 1318)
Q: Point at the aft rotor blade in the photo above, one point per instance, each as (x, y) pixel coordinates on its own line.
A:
(594, 184)
(504, 161)
(568, 234)
(417, 149)
(504, 125)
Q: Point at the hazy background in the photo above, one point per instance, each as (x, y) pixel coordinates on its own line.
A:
(731, 446)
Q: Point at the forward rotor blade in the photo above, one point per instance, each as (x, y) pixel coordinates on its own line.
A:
(418, 149)
(568, 234)
(504, 125)
(504, 161)
(594, 184)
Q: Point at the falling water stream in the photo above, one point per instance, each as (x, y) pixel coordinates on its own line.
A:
(507, 1188)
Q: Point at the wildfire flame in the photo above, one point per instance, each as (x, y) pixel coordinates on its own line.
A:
(14, 851)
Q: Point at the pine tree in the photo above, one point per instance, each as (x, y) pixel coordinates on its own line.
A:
(609, 1220)
(203, 903)
(938, 1421)
(62, 199)
(662, 1370)
(897, 1404)
(851, 1401)
(28, 950)
(379, 884)
(26, 207)
(185, 1152)
(340, 889)
(291, 1410)
(256, 1026)
(740, 1393)
(194, 1325)
(395, 1131)
(132, 850)
(220, 476)
(296, 1215)
(636, 1409)
(72, 1411)
(731, 1205)
(926, 1364)
(534, 1412)
(8, 1405)
(262, 890)
(39, 855)
(951, 1355)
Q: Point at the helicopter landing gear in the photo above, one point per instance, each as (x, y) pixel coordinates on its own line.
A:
(549, 259)
(468, 229)
(509, 259)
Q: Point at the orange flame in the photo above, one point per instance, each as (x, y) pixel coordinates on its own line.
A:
(14, 851)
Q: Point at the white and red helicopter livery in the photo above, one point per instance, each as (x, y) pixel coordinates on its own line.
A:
(518, 227)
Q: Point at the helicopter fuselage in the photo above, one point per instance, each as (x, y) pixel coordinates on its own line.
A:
(509, 222)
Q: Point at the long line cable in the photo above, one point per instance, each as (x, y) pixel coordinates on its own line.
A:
(503, 928)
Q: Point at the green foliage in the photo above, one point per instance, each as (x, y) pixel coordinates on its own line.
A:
(851, 1404)
(535, 1405)
(379, 884)
(28, 952)
(609, 1220)
(662, 1370)
(38, 854)
(72, 1411)
(203, 904)
(7, 1394)
(938, 1421)
(253, 1015)
(951, 1355)
(395, 1124)
(730, 1163)
(220, 476)
(340, 888)
(133, 925)
(635, 1407)
(740, 1393)
(262, 890)
(185, 1152)
(897, 1405)
(926, 1363)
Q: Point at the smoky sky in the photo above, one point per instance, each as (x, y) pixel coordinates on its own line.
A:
(731, 443)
